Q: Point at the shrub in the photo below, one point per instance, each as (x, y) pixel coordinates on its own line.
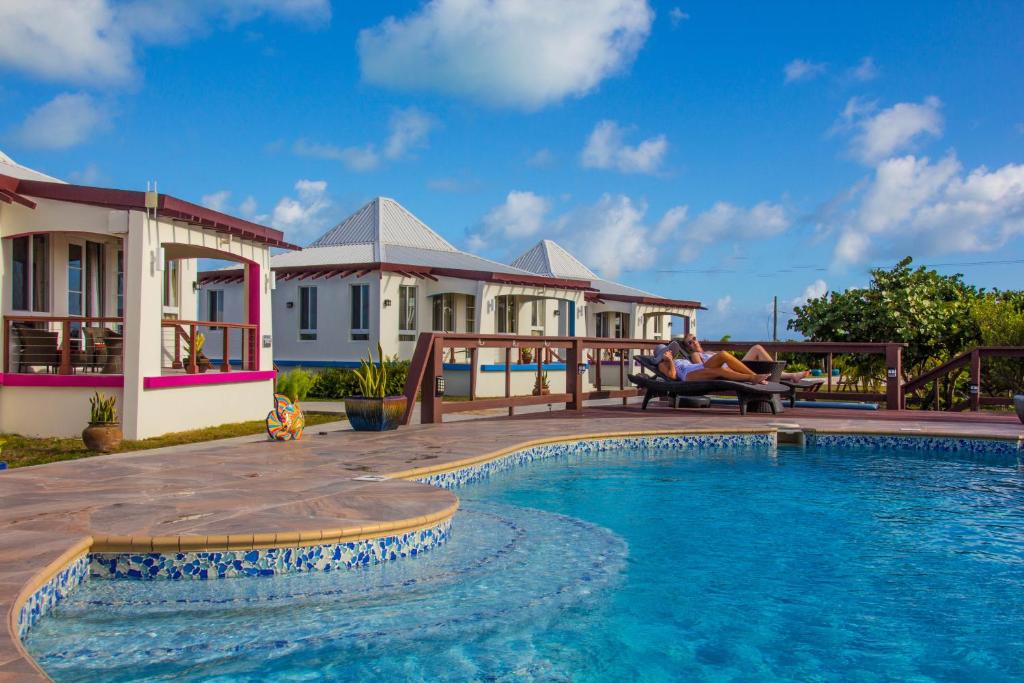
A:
(102, 409)
(339, 383)
(295, 384)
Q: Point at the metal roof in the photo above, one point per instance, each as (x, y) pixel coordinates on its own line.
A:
(383, 222)
(549, 258)
(12, 168)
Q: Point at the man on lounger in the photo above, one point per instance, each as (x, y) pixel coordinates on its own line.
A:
(720, 365)
(691, 349)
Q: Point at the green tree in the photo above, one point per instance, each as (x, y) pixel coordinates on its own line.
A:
(928, 311)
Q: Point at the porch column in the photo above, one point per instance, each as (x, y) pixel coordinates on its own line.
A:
(143, 307)
(257, 306)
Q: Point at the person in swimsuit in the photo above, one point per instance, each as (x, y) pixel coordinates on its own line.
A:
(716, 366)
(692, 349)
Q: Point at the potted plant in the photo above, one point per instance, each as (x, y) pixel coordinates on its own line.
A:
(202, 362)
(542, 387)
(526, 355)
(103, 434)
(373, 410)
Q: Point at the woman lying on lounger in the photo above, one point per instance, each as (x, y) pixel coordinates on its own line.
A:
(692, 349)
(717, 366)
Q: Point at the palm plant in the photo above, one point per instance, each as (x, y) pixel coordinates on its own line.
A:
(102, 410)
(373, 377)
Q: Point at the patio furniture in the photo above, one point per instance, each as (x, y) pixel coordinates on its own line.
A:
(747, 394)
(94, 356)
(115, 347)
(35, 347)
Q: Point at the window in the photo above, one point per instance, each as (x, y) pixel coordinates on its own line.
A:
(444, 313)
(30, 273)
(95, 279)
(407, 308)
(659, 325)
(171, 286)
(76, 268)
(120, 283)
(470, 313)
(505, 309)
(537, 313)
(360, 312)
(215, 306)
(601, 325)
(307, 313)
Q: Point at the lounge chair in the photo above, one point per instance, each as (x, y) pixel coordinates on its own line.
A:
(35, 347)
(746, 393)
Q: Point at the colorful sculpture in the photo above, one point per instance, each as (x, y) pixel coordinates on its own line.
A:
(286, 421)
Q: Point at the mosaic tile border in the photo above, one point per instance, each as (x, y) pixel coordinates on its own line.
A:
(584, 446)
(1009, 452)
(208, 565)
(51, 593)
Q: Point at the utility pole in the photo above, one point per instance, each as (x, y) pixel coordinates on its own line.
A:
(775, 318)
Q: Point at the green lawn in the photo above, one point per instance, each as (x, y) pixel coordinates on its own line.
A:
(20, 451)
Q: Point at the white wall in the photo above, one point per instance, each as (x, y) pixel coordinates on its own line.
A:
(49, 411)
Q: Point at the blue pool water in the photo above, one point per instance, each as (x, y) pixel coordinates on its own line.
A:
(625, 565)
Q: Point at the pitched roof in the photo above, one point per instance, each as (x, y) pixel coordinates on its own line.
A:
(384, 231)
(12, 168)
(383, 222)
(549, 258)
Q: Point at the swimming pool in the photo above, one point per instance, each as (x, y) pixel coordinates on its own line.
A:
(711, 564)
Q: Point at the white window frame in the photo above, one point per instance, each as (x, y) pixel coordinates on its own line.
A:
(308, 333)
(360, 332)
(407, 308)
(30, 266)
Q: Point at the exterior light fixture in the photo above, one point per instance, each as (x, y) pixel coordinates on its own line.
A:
(557, 313)
(439, 385)
(387, 302)
(289, 304)
(581, 368)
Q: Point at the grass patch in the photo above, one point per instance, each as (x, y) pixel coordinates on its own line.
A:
(21, 451)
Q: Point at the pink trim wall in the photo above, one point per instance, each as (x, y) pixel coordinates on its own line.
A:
(170, 381)
(11, 379)
(254, 288)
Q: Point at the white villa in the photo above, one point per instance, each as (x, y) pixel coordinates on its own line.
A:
(382, 275)
(98, 290)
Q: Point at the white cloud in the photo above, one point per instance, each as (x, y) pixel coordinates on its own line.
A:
(67, 120)
(301, 218)
(669, 223)
(522, 215)
(677, 15)
(407, 130)
(914, 204)
(815, 290)
(218, 201)
(96, 41)
(722, 220)
(541, 158)
(610, 236)
(880, 135)
(723, 305)
(605, 149)
(248, 207)
(518, 53)
(865, 71)
(802, 70)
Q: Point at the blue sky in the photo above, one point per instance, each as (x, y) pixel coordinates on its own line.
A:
(720, 152)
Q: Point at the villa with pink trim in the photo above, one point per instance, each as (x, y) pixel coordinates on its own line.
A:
(98, 290)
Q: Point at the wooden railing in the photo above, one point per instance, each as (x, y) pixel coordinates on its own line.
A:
(183, 337)
(428, 365)
(973, 360)
(595, 357)
(893, 352)
(63, 345)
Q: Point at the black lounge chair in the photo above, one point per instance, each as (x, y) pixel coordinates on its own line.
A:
(746, 393)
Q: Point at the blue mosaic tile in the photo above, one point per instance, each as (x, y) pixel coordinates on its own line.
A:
(478, 472)
(51, 593)
(266, 561)
(1003, 452)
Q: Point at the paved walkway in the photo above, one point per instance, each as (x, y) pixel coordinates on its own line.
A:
(247, 489)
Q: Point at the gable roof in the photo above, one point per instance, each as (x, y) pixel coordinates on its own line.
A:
(383, 222)
(13, 169)
(383, 231)
(551, 259)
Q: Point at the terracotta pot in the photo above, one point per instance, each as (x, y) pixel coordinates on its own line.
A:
(1018, 403)
(375, 414)
(102, 437)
